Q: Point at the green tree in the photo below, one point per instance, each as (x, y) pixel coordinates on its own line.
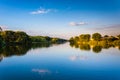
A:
(13, 37)
(21, 37)
(71, 39)
(84, 37)
(96, 36)
(106, 36)
(54, 40)
(48, 38)
(76, 38)
(112, 38)
(38, 39)
(8, 36)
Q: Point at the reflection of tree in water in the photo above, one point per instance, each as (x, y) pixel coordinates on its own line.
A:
(8, 51)
(97, 49)
(19, 50)
(76, 46)
(71, 44)
(85, 47)
(106, 46)
(40, 45)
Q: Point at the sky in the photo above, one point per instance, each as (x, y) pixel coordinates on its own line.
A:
(61, 18)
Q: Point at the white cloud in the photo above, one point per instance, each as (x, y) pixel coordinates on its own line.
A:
(77, 24)
(42, 11)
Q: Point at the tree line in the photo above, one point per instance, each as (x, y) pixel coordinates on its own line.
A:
(96, 39)
(20, 37)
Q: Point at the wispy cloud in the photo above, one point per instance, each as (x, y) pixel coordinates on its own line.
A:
(77, 24)
(43, 11)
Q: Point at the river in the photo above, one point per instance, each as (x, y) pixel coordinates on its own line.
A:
(59, 62)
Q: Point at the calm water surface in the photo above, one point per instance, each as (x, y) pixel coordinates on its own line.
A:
(59, 62)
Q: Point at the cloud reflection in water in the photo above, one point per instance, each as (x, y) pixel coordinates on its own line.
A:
(41, 71)
(75, 57)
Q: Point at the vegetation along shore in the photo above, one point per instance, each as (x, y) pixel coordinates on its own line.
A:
(20, 37)
(95, 41)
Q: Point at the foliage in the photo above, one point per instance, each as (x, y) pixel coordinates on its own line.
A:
(15, 37)
(19, 37)
(38, 39)
(97, 43)
(84, 37)
(96, 36)
(46, 39)
(22, 37)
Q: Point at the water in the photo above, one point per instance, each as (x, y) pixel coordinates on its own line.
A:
(59, 62)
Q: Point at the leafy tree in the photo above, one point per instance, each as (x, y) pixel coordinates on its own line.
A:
(112, 38)
(76, 38)
(47, 38)
(12, 36)
(21, 37)
(96, 36)
(71, 39)
(84, 37)
(38, 39)
(106, 36)
(8, 36)
(54, 40)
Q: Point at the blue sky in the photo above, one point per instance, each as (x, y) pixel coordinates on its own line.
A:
(61, 18)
